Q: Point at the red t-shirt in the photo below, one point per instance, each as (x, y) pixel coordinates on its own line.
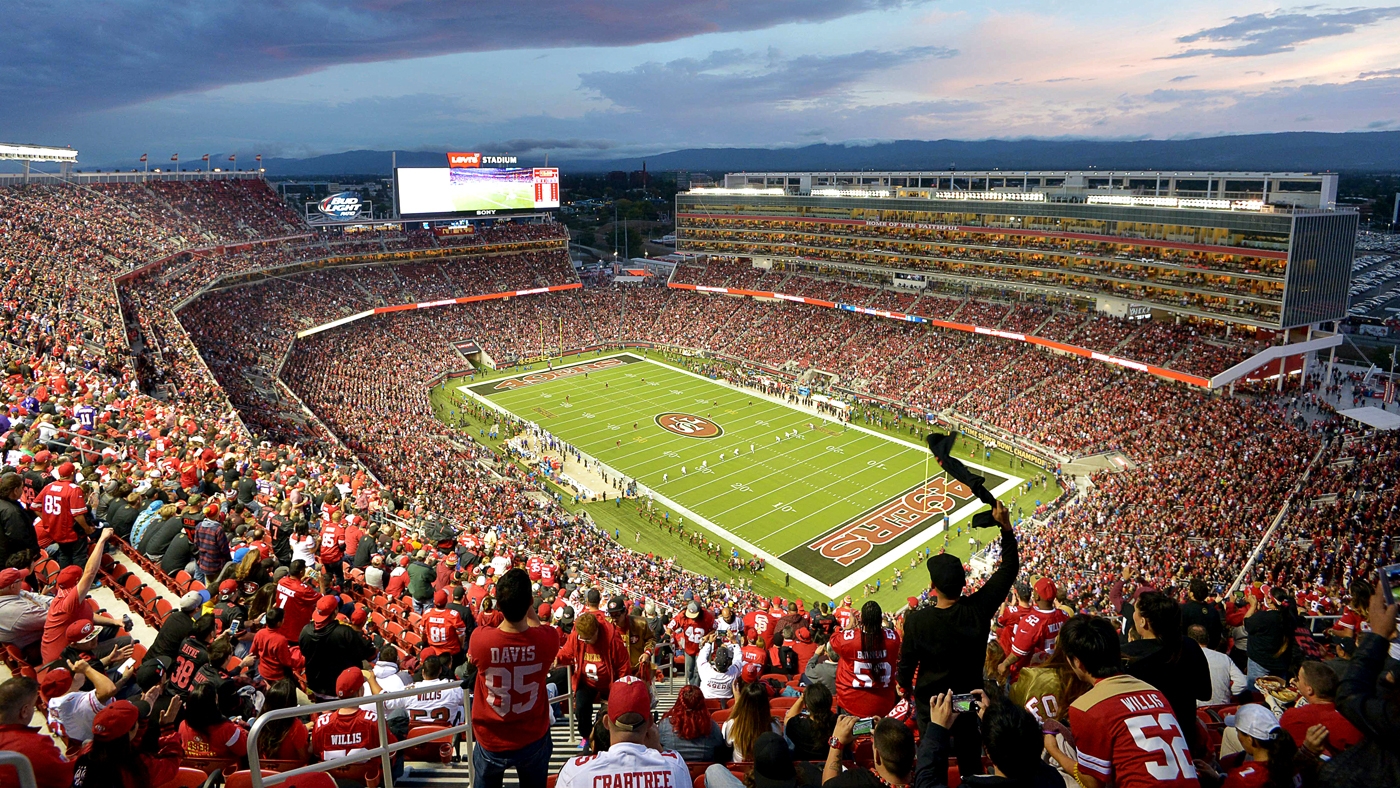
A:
(58, 503)
(297, 601)
(865, 684)
(1007, 621)
(64, 610)
(223, 740)
(759, 621)
(534, 567)
(511, 709)
(1250, 775)
(1341, 734)
(547, 572)
(752, 655)
(1125, 733)
(332, 543)
(443, 629)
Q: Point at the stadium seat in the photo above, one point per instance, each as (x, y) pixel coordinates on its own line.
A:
(180, 582)
(715, 704)
(163, 609)
(439, 749)
(782, 703)
(244, 779)
(147, 600)
(781, 678)
(721, 716)
(393, 631)
(186, 778)
(411, 640)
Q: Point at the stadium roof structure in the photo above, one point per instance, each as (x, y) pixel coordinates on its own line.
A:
(1373, 417)
(19, 152)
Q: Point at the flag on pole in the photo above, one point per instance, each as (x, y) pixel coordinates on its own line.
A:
(176, 157)
(206, 157)
(232, 157)
(258, 157)
(1389, 391)
(143, 157)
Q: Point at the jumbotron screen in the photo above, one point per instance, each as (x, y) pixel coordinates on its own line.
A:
(443, 192)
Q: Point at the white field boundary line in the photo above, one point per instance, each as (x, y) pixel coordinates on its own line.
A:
(841, 587)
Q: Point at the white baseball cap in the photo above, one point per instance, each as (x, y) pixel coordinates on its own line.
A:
(1257, 721)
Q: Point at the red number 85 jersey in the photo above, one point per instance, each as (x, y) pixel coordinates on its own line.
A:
(1125, 733)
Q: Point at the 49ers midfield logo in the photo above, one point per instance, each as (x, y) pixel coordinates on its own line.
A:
(688, 425)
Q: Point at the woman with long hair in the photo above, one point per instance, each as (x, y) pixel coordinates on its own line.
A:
(688, 729)
(303, 544)
(206, 732)
(262, 601)
(809, 723)
(751, 716)
(1046, 690)
(115, 760)
(284, 739)
(867, 657)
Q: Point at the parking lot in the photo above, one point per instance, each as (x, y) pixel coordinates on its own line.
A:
(1375, 276)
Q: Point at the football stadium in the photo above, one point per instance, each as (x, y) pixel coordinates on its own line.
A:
(329, 485)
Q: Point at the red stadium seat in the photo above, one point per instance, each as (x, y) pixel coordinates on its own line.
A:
(439, 749)
(186, 778)
(782, 703)
(781, 678)
(180, 582)
(411, 640)
(721, 716)
(163, 609)
(244, 779)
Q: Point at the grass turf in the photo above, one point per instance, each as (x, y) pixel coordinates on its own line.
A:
(776, 495)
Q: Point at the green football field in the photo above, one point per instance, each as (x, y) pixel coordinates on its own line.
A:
(832, 504)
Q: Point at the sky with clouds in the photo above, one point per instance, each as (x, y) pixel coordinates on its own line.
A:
(585, 79)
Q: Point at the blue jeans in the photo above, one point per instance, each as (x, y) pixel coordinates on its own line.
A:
(719, 776)
(531, 764)
(1254, 671)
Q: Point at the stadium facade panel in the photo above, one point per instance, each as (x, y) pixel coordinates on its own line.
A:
(1238, 261)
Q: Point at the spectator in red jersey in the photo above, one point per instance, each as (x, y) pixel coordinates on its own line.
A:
(1317, 685)
(754, 652)
(346, 732)
(297, 600)
(865, 672)
(1115, 715)
(63, 511)
(690, 627)
(71, 603)
(443, 629)
(19, 697)
(510, 718)
(207, 733)
(278, 657)
(599, 658)
(332, 546)
(1034, 631)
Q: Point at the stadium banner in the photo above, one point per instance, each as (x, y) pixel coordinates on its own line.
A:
(1161, 372)
(474, 191)
(913, 515)
(380, 310)
(978, 230)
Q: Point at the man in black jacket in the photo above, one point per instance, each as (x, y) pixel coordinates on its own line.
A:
(329, 648)
(946, 642)
(17, 536)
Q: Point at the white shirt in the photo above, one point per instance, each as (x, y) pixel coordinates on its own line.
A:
(443, 706)
(714, 684)
(1226, 680)
(626, 765)
(304, 549)
(71, 715)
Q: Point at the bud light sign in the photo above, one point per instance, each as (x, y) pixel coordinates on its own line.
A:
(344, 205)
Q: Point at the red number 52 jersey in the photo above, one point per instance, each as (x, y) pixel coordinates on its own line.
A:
(1125, 732)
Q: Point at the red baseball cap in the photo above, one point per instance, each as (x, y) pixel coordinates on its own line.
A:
(9, 577)
(440, 597)
(56, 682)
(115, 721)
(359, 616)
(228, 587)
(629, 695)
(69, 576)
(42, 455)
(1045, 588)
(79, 631)
(349, 683)
(326, 608)
(64, 470)
(751, 672)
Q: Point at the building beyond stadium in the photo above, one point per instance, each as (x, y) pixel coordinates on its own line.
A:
(1267, 250)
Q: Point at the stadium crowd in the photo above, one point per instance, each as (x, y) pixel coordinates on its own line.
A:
(277, 571)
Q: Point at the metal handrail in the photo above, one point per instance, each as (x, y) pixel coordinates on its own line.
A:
(384, 751)
(22, 767)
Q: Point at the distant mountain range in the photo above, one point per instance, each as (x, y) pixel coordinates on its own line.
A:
(1377, 151)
